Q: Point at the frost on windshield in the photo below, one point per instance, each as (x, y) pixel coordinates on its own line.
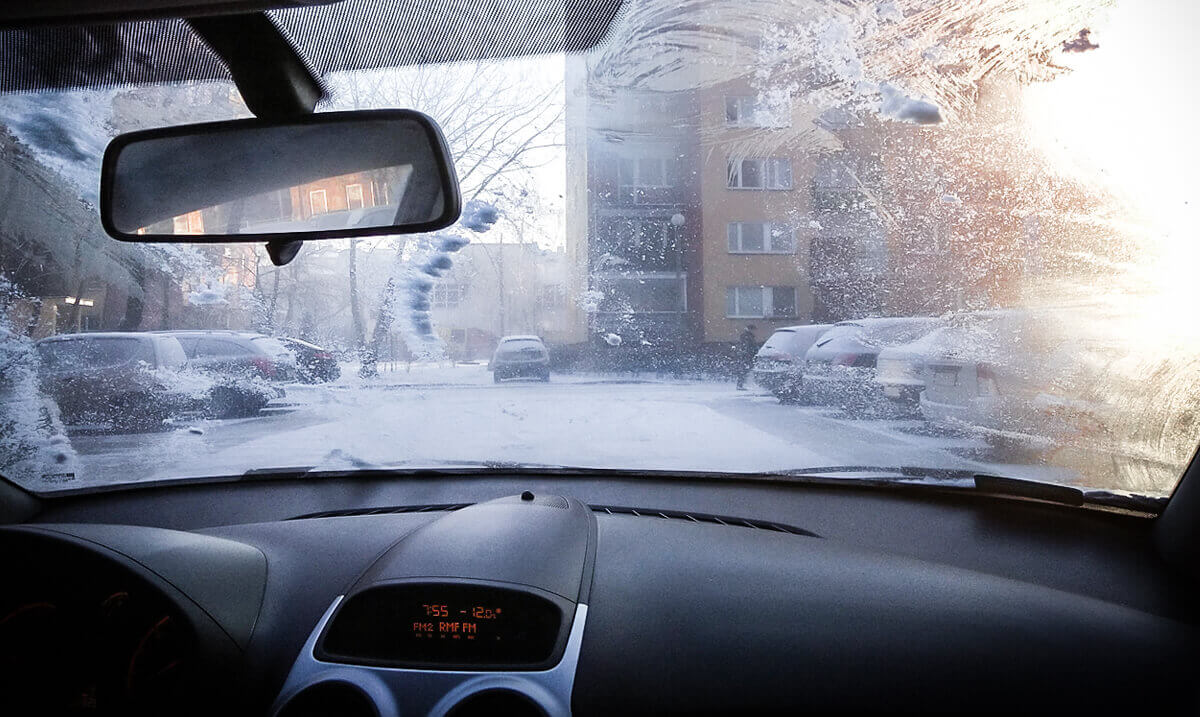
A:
(33, 440)
(996, 195)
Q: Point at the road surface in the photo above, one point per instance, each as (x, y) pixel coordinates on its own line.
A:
(431, 414)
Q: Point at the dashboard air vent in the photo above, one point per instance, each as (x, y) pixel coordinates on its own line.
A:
(705, 518)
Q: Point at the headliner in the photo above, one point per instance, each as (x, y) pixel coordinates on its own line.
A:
(349, 35)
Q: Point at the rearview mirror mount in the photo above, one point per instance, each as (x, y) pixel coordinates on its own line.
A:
(321, 176)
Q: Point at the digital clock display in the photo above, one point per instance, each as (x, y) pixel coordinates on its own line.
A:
(443, 625)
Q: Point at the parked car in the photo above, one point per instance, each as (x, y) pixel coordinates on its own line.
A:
(122, 379)
(238, 353)
(900, 369)
(994, 373)
(520, 356)
(839, 369)
(313, 363)
(779, 363)
(137, 380)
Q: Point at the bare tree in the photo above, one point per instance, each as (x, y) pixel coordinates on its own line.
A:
(498, 124)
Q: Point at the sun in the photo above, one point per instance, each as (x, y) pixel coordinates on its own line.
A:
(1126, 120)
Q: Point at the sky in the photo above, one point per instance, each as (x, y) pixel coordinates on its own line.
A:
(1127, 113)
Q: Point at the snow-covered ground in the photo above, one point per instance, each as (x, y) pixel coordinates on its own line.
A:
(432, 414)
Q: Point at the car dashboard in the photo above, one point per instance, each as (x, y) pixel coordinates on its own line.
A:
(533, 600)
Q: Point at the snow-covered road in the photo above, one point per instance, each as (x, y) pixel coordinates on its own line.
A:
(431, 415)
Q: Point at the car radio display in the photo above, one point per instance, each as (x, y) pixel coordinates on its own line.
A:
(443, 625)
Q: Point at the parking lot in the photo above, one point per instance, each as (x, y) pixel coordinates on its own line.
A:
(428, 414)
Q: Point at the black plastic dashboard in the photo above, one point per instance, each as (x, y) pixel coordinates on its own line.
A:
(903, 602)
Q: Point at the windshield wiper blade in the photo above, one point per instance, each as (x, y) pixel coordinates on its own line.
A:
(1069, 495)
(1154, 504)
(994, 485)
(879, 471)
(1025, 488)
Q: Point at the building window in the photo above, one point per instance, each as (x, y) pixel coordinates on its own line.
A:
(354, 196)
(761, 238)
(758, 112)
(646, 244)
(190, 223)
(760, 173)
(317, 203)
(648, 172)
(448, 296)
(653, 237)
(644, 292)
(760, 302)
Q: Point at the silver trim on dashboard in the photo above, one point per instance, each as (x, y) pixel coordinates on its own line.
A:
(397, 691)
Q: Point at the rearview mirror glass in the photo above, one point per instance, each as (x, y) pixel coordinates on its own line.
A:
(339, 174)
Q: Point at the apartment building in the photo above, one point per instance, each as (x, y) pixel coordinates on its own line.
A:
(711, 208)
(642, 218)
(758, 228)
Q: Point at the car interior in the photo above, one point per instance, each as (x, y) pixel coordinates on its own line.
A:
(491, 589)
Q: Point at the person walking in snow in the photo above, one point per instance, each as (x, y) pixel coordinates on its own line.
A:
(747, 347)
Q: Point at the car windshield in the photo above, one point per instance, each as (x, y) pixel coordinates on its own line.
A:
(780, 340)
(89, 353)
(1007, 189)
(272, 347)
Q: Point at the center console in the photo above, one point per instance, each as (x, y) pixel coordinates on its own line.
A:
(479, 612)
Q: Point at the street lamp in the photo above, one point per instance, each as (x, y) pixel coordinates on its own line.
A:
(677, 221)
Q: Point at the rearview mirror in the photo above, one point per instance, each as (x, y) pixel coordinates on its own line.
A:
(321, 176)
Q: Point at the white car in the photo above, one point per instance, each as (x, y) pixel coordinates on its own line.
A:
(839, 369)
(990, 373)
(779, 364)
(520, 357)
(900, 369)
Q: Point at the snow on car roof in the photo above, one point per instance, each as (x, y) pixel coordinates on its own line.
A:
(521, 338)
(96, 335)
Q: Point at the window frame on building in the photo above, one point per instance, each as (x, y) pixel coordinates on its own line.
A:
(767, 301)
(609, 283)
(749, 111)
(312, 193)
(775, 173)
(666, 175)
(362, 197)
(770, 234)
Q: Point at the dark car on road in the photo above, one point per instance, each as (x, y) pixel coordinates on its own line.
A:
(137, 380)
(121, 379)
(238, 353)
(313, 363)
(839, 369)
(779, 364)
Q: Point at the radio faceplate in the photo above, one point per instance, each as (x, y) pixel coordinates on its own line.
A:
(446, 625)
